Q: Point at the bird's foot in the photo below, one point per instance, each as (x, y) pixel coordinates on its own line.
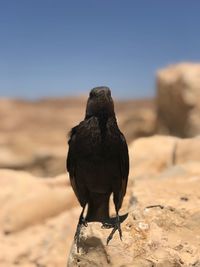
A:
(77, 239)
(117, 226)
(107, 225)
(84, 222)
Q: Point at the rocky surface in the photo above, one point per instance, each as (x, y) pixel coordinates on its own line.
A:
(38, 216)
(150, 156)
(33, 134)
(26, 200)
(178, 100)
(162, 228)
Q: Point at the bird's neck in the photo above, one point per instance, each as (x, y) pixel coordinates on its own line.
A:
(101, 115)
(102, 119)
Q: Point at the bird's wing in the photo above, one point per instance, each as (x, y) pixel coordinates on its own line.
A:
(124, 164)
(71, 161)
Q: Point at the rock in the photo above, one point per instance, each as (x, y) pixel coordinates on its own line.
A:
(37, 160)
(149, 156)
(164, 216)
(187, 150)
(45, 244)
(137, 123)
(156, 237)
(192, 167)
(38, 216)
(61, 180)
(161, 230)
(178, 100)
(26, 200)
(33, 134)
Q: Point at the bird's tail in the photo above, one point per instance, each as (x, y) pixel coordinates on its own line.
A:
(98, 207)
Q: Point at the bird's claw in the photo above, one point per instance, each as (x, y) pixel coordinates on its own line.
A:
(116, 227)
(111, 235)
(84, 222)
(120, 232)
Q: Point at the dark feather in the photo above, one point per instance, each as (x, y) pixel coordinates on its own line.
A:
(98, 161)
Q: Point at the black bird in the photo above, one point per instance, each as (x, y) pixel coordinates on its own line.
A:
(98, 161)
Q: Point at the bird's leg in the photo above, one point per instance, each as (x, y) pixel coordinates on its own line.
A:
(109, 223)
(117, 226)
(81, 222)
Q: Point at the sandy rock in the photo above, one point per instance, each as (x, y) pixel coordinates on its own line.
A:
(41, 217)
(154, 238)
(45, 244)
(165, 235)
(26, 200)
(61, 180)
(175, 187)
(137, 123)
(178, 100)
(192, 167)
(33, 134)
(37, 160)
(149, 156)
(187, 150)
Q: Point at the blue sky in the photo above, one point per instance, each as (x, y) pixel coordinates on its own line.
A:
(59, 48)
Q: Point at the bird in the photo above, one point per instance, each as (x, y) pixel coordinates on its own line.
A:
(98, 162)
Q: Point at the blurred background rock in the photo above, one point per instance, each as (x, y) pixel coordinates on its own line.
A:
(34, 134)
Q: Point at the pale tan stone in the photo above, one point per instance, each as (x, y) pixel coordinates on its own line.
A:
(151, 155)
(26, 200)
(165, 236)
(34, 134)
(178, 100)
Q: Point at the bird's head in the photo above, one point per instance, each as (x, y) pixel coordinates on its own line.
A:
(100, 102)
